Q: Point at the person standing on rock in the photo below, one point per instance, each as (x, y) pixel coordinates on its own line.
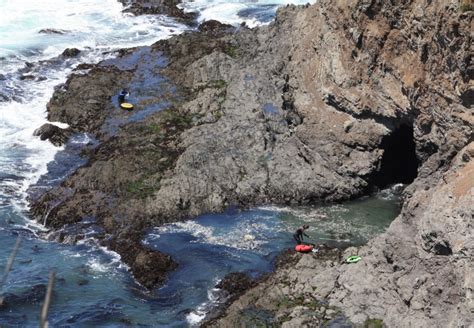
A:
(298, 235)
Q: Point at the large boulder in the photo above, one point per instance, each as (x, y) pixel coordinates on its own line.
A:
(53, 133)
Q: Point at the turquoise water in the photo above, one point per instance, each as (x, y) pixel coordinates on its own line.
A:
(93, 288)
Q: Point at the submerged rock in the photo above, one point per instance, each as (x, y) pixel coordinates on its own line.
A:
(213, 26)
(24, 77)
(31, 295)
(71, 52)
(52, 31)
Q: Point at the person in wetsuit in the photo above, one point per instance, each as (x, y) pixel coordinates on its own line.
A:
(123, 94)
(298, 235)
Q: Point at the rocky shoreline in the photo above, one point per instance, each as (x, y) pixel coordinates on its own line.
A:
(159, 7)
(313, 107)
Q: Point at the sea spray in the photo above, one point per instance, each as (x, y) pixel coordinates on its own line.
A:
(252, 13)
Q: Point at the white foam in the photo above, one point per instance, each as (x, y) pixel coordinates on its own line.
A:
(97, 267)
(60, 125)
(226, 11)
(109, 263)
(82, 139)
(392, 192)
(194, 318)
(248, 234)
(86, 23)
(17, 124)
(309, 214)
(69, 253)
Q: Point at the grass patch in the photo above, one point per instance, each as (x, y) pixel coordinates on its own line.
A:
(173, 117)
(283, 319)
(466, 5)
(214, 84)
(262, 160)
(217, 114)
(373, 323)
(140, 189)
(284, 303)
(231, 51)
(219, 84)
(154, 128)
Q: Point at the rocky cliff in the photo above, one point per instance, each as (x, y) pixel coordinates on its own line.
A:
(381, 67)
(326, 103)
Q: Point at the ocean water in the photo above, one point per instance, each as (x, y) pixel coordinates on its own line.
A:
(93, 287)
(234, 12)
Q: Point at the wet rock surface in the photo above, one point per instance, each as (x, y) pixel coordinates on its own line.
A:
(84, 100)
(52, 31)
(159, 7)
(53, 133)
(291, 113)
(71, 52)
(149, 267)
(235, 283)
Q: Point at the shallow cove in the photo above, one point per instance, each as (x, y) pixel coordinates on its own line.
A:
(94, 288)
(211, 246)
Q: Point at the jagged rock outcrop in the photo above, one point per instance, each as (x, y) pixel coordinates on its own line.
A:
(84, 100)
(159, 7)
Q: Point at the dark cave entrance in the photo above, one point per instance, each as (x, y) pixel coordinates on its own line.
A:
(399, 163)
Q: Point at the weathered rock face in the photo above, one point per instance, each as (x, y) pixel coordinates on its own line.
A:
(419, 273)
(300, 119)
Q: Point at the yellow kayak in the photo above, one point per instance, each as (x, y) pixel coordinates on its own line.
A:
(127, 106)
